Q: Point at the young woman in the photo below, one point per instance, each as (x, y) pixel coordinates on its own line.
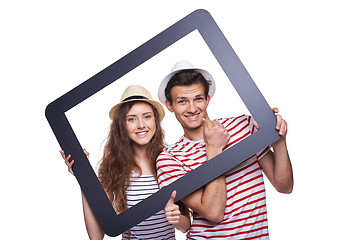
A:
(127, 169)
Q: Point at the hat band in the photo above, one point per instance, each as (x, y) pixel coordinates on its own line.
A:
(134, 98)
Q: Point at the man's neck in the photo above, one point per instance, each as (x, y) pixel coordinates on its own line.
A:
(194, 134)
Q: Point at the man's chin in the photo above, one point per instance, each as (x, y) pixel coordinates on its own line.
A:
(193, 125)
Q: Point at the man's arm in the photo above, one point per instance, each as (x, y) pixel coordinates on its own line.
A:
(276, 165)
(210, 200)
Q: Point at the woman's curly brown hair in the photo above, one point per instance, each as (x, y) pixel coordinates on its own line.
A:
(118, 163)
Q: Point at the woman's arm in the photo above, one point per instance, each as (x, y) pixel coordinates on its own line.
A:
(93, 228)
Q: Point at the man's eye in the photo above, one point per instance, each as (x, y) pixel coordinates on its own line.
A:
(181, 101)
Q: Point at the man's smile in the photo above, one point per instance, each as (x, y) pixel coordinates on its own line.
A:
(192, 116)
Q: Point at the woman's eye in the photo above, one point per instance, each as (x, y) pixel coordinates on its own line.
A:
(147, 116)
(131, 119)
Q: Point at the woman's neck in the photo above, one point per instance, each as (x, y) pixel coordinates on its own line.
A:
(142, 159)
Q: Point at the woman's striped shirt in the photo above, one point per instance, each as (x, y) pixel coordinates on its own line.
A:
(154, 227)
(245, 213)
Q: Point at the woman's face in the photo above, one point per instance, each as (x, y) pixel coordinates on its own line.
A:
(140, 123)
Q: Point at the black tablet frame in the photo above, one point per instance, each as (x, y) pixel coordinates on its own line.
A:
(201, 20)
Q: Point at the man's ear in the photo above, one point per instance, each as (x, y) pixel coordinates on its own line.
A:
(168, 105)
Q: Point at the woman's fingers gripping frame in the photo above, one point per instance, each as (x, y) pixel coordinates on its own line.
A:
(66, 160)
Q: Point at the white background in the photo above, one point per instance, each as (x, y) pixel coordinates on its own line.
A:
(303, 56)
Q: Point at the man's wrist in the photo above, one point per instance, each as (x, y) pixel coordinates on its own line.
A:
(280, 144)
(212, 152)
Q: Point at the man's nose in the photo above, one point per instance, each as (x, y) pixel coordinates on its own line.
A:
(192, 107)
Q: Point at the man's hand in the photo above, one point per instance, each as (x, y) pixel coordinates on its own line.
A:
(281, 124)
(215, 136)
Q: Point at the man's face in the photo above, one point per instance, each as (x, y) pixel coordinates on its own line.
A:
(189, 105)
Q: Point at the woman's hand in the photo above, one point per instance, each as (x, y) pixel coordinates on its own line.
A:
(70, 164)
(172, 211)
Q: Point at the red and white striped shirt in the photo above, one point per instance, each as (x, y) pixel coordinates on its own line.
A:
(245, 213)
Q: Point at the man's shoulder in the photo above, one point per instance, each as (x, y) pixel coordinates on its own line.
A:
(183, 148)
(226, 121)
(169, 149)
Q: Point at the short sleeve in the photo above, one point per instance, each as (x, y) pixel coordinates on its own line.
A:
(169, 169)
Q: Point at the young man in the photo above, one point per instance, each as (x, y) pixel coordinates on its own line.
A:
(232, 206)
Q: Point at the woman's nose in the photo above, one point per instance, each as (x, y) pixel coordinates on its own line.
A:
(141, 123)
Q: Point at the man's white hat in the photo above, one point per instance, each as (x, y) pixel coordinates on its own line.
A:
(184, 65)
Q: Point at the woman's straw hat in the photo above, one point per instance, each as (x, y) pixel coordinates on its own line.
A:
(137, 93)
